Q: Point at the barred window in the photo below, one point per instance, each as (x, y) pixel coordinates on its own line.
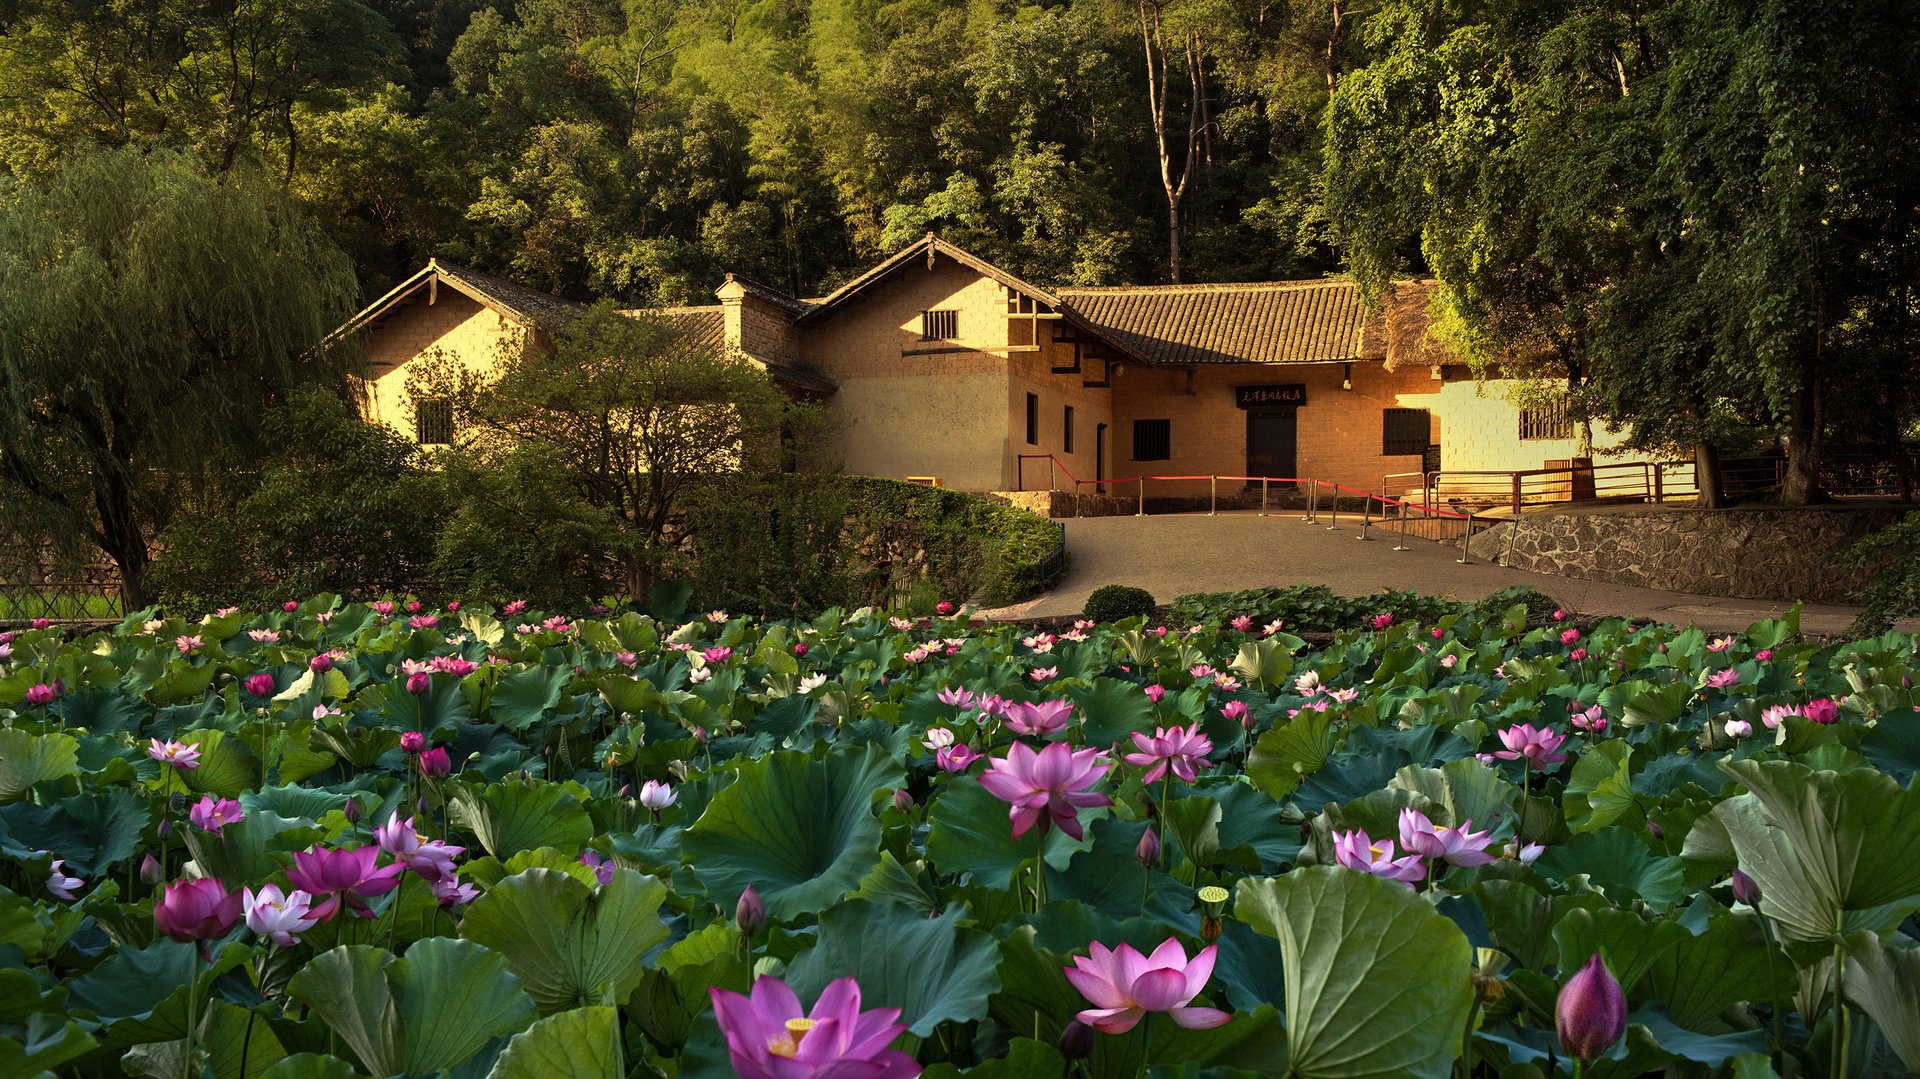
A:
(939, 325)
(1405, 431)
(1547, 421)
(1152, 440)
(433, 421)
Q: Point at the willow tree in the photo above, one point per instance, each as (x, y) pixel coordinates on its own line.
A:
(148, 315)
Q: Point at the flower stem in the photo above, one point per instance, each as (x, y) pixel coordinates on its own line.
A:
(1166, 797)
(1779, 1031)
(1839, 1057)
(193, 1015)
(1146, 1045)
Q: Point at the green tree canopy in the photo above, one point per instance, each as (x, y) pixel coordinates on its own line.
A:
(148, 315)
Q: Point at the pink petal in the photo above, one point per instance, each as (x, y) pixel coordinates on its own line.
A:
(774, 1003)
(1199, 969)
(1169, 954)
(839, 1000)
(1095, 986)
(1201, 1018)
(1111, 1020)
(1159, 989)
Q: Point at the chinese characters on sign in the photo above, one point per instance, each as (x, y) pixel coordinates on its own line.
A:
(1269, 396)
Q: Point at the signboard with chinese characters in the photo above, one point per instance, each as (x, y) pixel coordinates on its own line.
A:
(1284, 396)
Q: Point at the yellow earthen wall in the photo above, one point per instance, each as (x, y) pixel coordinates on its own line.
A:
(453, 324)
(1483, 432)
(942, 414)
(1338, 433)
(1032, 372)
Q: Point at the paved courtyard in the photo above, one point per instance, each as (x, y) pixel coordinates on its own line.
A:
(1173, 554)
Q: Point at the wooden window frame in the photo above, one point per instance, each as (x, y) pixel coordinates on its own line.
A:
(1150, 436)
(1403, 442)
(1548, 423)
(940, 324)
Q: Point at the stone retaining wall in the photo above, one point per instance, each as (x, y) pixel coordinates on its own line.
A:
(1775, 553)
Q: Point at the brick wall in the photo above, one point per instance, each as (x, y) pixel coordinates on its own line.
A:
(1032, 372)
(454, 324)
(902, 410)
(760, 329)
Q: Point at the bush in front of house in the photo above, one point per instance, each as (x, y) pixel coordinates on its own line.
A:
(1540, 606)
(1308, 608)
(1113, 602)
(1894, 591)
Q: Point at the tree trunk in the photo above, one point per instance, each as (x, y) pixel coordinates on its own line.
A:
(1706, 470)
(1802, 483)
(1173, 238)
(120, 534)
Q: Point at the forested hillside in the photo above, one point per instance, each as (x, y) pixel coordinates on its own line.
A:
(639, 149)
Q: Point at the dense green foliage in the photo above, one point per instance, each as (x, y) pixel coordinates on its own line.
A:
(1113, 602)
(1313, 608)
(559, 817)
(1894, 592)
(638, 150)
(149, 315)
(348, 506)
(1686, 211)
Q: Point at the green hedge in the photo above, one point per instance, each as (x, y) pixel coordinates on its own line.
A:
(1309, 607)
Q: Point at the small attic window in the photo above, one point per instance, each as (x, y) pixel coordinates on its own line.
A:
(939, 325)
(433, 421)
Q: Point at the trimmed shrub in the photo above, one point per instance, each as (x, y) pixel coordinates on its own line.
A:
(1113, 602)
(1540, 606)
(1309, 608)
(1894, 592)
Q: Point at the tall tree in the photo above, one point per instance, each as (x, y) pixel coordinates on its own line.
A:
(1176, 141)
(147, 313)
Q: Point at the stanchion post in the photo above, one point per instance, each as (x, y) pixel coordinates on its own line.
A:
(1334, 499)
(1466, 529)
(1213, 496)
(1311, 502)
(1263, 496)
(1142, 511)
(1366, 514)
(1402, 544)
(1051, 485)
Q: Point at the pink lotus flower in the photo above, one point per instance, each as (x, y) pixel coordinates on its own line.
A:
(320, 664)
(264, 636)
(1183, 749)
(384, 608)
(1042, 674)
(1559, 615)
(187, 644)
(1592, 720)
(514, 608)
(957, 758)
(1822, 710)
(1308, 684)
(626, 659)
(191, 910)
(1536, 744)
(452, 893)
(277, 917)
(1343, 695)
(1154, 692)
(957, 697)
(59, 885)
(453, 606)
(430, 859)
(603, 867)
(769, 1035)
(1720, 644)
(1763, 655)
(1200, 670)
(657, 796)
(943, 608)
(1039, 719)
(1578, 655)
(39, 623)
(412, 741)
(40, 695)
(1774, 713)
(458, 666)
(1460, 846)
(1590, 1014)
(1569, 636)
(1241, 623)
(1238, 712)
(1383, 620)
(1449, 660)
(211, 815)
(800, 649)
(1123, 986)
(343, 876)
(1357, 850)
(939, 738)
(259, 685)
(1526, 854)
(180, 755)
(719, 654)
(1721, 679)
(1738, 728)
(413, 606)
(1046, 788)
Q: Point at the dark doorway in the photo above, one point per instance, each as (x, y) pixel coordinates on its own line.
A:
(1099, 455)
(1270, 442)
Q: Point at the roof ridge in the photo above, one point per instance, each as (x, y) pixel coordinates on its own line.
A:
(1215, 286)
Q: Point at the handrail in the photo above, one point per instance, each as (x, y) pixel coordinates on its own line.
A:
(1314, 484)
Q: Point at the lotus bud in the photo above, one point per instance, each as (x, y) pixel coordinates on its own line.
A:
(1656, 831)
(352, 810)
(902, 801)
(1148, 852)
(320, 664)
(1076, 1041)
(434, 763)
(1745, 889)
(1591, 1014)
(626, 790)
(418, 684)
(164, 828)
(290, 606)
(702, 735)
(420, 805)
(413, 741)
(150, 871)
(750, 914)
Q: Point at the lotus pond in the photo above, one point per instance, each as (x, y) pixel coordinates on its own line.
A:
(342, 839)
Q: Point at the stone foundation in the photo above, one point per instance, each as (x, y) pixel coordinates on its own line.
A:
(1776, 553)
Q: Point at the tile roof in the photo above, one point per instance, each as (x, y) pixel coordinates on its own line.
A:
(540, 308)
(705, 328)
(1275, 322)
